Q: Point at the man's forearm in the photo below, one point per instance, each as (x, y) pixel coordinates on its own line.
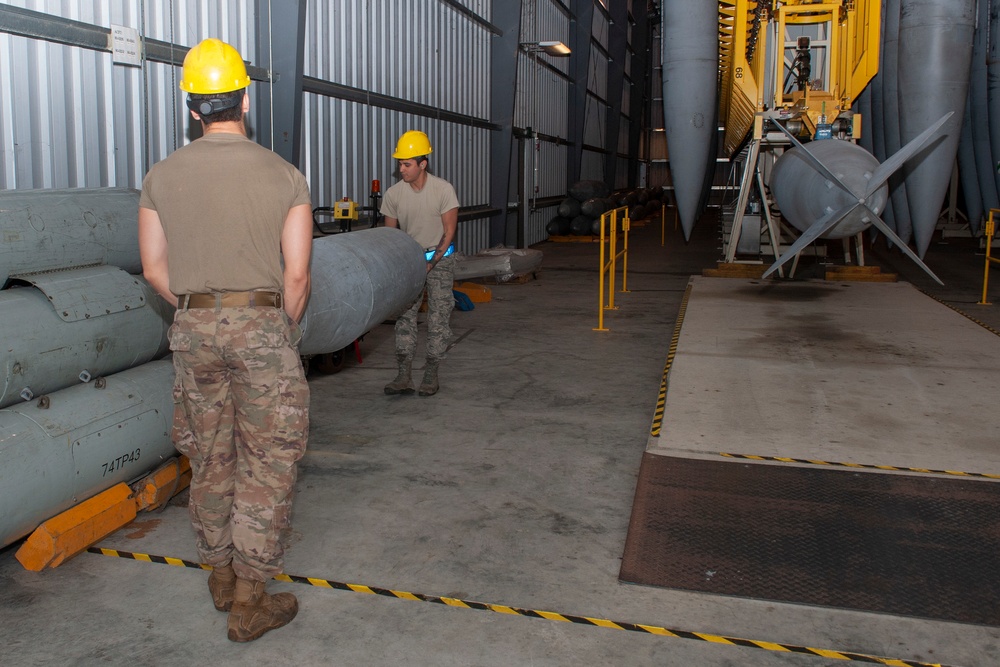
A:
(296, 297)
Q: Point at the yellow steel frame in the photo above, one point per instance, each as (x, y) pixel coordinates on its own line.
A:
(741, 95)
(853, 58)
(989, 232)
(864, 27)
(610, 227)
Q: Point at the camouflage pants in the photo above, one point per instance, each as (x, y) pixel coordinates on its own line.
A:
(440, 303)
(241, 415)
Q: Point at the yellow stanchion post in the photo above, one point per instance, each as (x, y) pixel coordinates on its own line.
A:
(609, 220)
(626, 225)
(600, 288)
(613, 254)
(990, 229)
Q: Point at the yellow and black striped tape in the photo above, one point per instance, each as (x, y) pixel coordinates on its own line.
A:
(847, 464)
(963, 313)
(548, 615)
(661, 399)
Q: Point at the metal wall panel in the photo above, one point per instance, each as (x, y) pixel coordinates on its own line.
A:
(69, 117)
(596, 119)
(54, 126)
(479, 7)
(542, 95)
(346, 145)
(421, 51)
(542, 100)
(658, 145)
(82, 121)
(656, 117)
(473, 236)
(659, 175)
(551, 169)
(167, 124)
(600, 27)
(597, 82)
(537, 220)
(592, 166)
(621, 174)
(543, 20)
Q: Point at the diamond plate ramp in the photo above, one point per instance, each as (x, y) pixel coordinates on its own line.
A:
(900, 544)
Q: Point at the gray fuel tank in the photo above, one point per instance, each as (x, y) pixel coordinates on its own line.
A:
(43, 230)
(75, 443)
(358, 280)
(68, 326)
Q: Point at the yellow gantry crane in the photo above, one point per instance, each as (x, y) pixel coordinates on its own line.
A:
(811, 58)
(807, 59)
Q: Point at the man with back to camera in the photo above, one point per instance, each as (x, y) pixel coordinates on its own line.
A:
(216, 219)
(425, 207)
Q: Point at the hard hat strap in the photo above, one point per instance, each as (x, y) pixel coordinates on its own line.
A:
(210, 105)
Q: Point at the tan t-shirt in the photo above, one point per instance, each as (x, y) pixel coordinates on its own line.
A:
(419, 213)
(222, 201)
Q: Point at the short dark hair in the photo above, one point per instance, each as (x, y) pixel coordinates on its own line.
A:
(229, 105)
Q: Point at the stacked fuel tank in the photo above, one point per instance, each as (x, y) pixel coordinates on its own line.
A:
(86, 399)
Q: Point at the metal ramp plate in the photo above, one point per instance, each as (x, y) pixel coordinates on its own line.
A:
(913, 545)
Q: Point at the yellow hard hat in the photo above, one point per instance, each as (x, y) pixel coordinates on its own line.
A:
(212, 66)
(412, 144)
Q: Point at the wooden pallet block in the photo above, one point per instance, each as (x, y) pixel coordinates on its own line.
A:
(735, 270)
(860, 274)
(521, 278)
(587, 238)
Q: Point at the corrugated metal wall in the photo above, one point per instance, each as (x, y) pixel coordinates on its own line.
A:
(70, 117)
(418, 51)
(542, 104)
(596, 109)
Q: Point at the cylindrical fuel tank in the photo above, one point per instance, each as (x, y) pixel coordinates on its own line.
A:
(804, 195)
(57, 229)
(358, 280)
(88, 438)
(890, 116)
(980, 112)
(690, 100)
(90, 322)
(935, 55)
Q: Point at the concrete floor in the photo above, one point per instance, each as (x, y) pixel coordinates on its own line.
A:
(512, 486)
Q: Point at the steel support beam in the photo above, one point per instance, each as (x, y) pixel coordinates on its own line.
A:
(341, 92)
(37, 25)
(503, 80)
(581, 27)
(617, 45)
(280, 33)
(472, 16)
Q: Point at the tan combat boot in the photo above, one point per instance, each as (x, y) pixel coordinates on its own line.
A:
(255, 612)
(403, 384)
(222, 584)
(429, 386)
